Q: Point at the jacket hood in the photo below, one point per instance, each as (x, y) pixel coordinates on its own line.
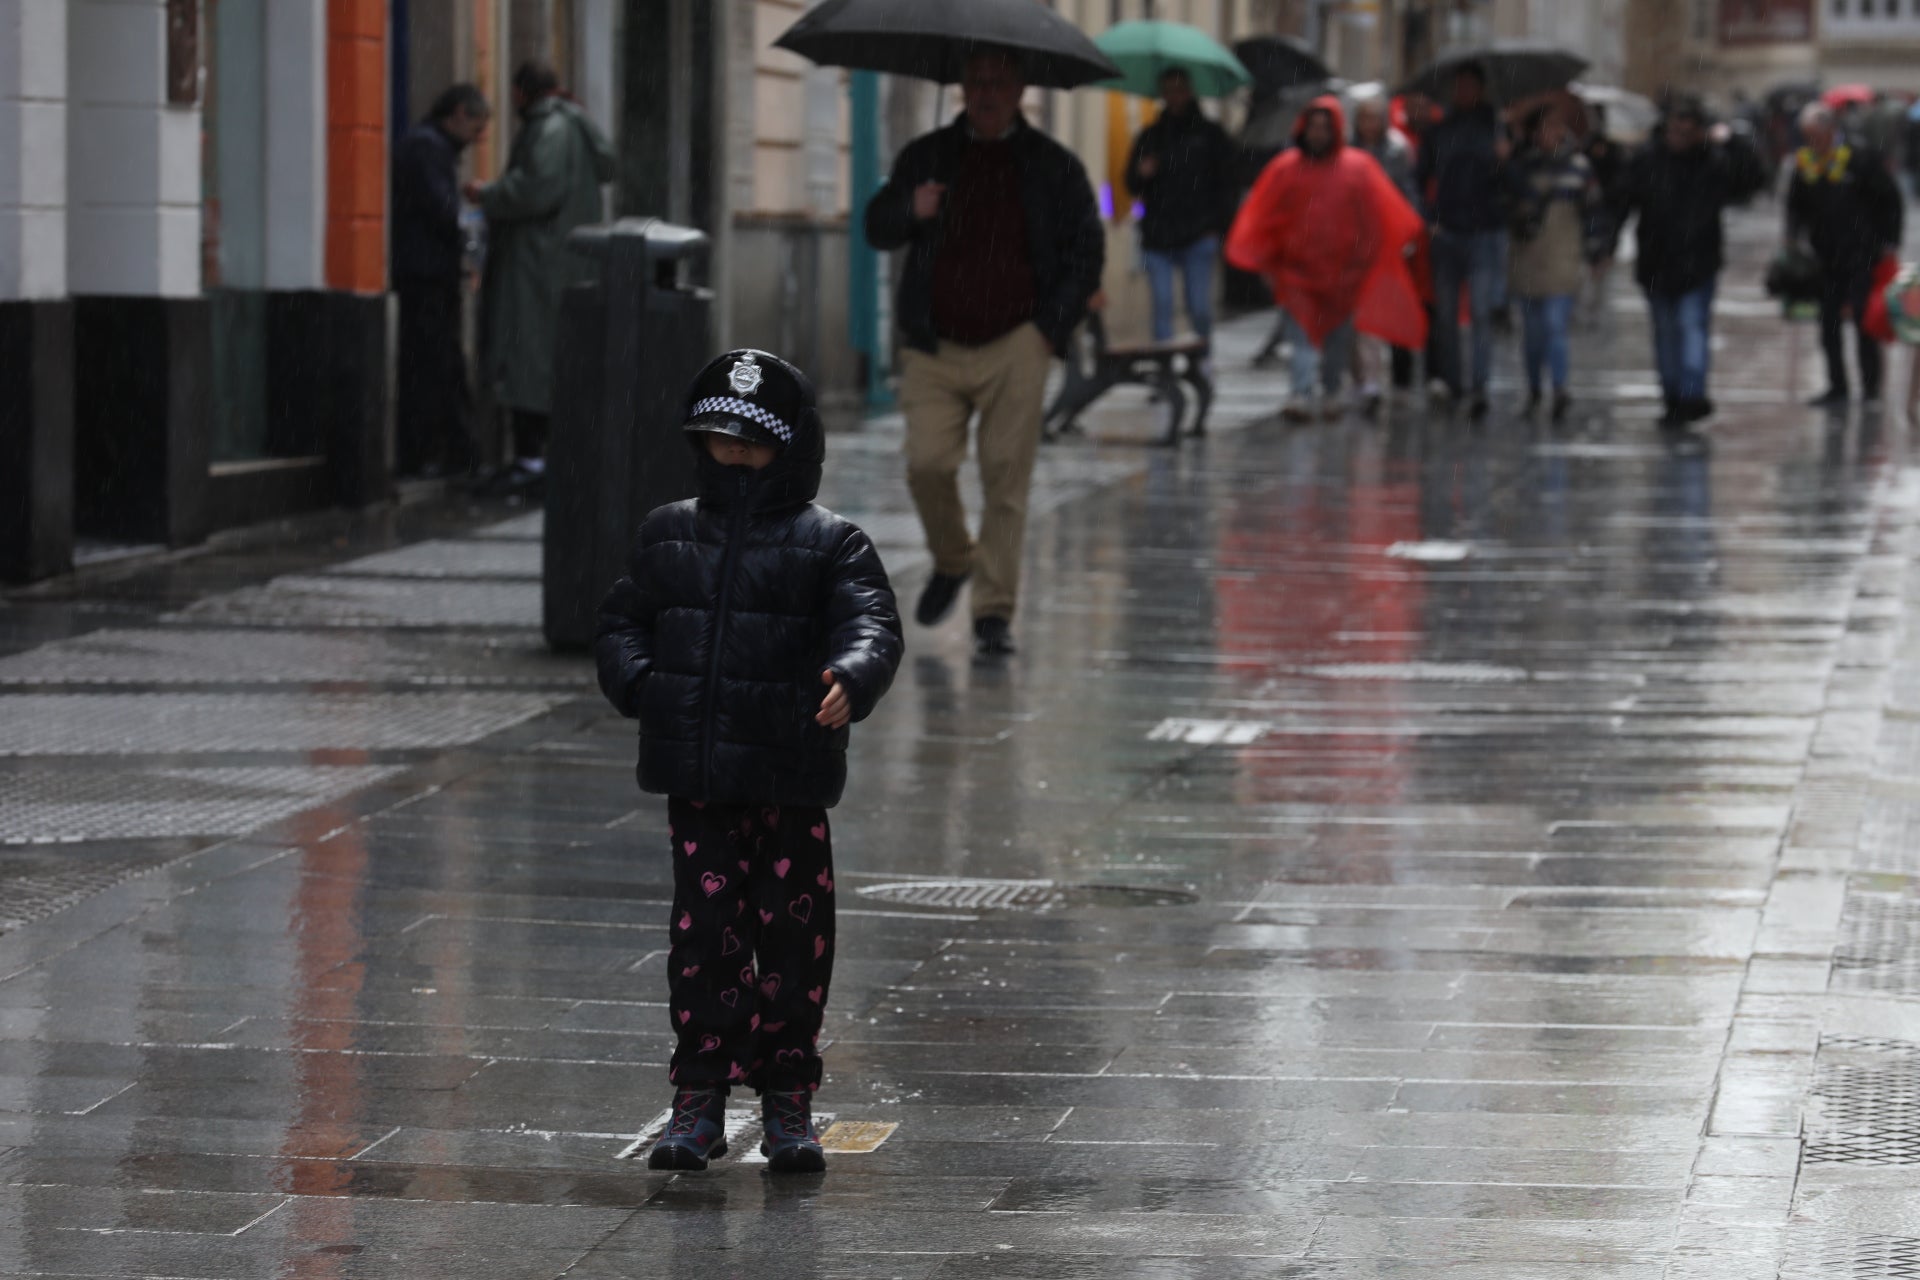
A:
(1330, 104)
(760, 387)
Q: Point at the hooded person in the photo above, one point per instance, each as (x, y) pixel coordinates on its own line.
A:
(1331, 234)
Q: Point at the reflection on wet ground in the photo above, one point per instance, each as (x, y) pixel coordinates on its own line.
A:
(1399, 850)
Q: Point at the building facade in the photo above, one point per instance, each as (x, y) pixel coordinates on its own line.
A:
(1751, 46)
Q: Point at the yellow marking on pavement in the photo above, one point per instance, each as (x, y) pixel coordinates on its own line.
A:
(856, 1137)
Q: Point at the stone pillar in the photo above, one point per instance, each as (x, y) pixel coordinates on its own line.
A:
(36, 321)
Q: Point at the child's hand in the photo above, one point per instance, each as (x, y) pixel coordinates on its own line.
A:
(836, 708)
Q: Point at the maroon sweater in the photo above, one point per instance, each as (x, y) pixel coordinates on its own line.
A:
(983, 286)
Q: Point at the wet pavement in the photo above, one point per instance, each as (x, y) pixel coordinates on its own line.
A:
(1398, 850)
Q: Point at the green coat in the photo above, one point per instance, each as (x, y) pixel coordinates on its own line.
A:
(551, 185)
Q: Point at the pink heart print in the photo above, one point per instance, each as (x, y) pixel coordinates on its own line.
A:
(772, 818)
(685, 1016)
(819, 948)
(753, 1023)
(766, 917)
(686, 921)
(692, 969)
(745, 865)
(730, 997)
(817, 994)
(746, 976)
(770, 985)
(785, 1056)
(736, 1073)
(729, 940)
(774, 1028)
(691, 846)
(709, 1043)
(819, 831)
(825, 881)
(781, 867)
(712, 884)
(801, 908)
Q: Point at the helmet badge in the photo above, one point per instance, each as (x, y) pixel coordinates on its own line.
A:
(745, 375)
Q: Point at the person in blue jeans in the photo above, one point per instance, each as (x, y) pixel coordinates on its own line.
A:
(1678, 186)
(1554, 201)
(1181, 170)
(1460, 174)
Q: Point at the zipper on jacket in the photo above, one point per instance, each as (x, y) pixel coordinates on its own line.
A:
(729, 562)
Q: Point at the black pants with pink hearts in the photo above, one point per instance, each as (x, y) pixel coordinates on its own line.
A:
(752, 936)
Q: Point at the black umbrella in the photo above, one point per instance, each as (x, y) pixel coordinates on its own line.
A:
(1279, 63)
(932, 39)
(1515, 69)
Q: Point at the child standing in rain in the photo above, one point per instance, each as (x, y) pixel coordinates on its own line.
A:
(751, 629)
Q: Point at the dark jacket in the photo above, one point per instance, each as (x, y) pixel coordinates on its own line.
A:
(1850, 212)
(732, 606)
(1459, 174)
(427, 244)
(1064, 236)
(1191, 194)
(1679, 199)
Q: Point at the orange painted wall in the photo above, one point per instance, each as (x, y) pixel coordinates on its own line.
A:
(357, 145)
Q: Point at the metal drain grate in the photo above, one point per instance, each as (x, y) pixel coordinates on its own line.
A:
(1865, 1104)
(1022, 895)
(1832, 1254)
(1879, 945)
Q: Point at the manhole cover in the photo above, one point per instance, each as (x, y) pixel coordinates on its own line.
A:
(1022, 895)
(1866, 1103)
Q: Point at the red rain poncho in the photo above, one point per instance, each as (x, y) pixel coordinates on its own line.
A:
(1331, 236)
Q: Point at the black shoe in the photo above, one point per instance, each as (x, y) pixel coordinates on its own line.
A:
(990, 636)
(1533, 403)
(936, 599)
(1674, 416)
(1696, 410)
(1832, 398)
(1477, 408)
(1562, 405)
(792, 1144)
(696, 1133)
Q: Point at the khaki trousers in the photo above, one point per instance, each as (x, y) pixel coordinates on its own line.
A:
(1004, 382)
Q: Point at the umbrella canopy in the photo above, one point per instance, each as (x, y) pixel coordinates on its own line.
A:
(1630, 116)
(1145, 50)
(1515, 69)
(932, 39)
(1842, 96)
(1279, 63)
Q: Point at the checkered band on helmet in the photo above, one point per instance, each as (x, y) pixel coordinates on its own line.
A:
(743, 409)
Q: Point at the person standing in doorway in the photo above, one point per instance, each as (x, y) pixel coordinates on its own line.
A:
(1844, 206)
(554, 173)
(1678, 187)
(1460, 171)
(1004, 248)
(428, 263)
(1181, 169)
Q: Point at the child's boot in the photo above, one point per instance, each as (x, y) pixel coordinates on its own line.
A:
(792, 1144)
(696, 1133)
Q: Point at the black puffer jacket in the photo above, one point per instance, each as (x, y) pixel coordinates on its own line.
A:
(733, 605)
(1190, 194)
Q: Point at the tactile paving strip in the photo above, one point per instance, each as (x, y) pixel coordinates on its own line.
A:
(320, 600)
(225, 655)
(166, 723)
(40, 881)
(1021, 895)
(1890, 837)
(1879, 945)
(1865, 1106)
(1827, 1253)
(64, 805)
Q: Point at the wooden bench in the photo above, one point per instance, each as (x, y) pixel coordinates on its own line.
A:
(1160, 365)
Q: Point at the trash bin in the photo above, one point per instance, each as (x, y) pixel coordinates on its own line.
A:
(629, 342)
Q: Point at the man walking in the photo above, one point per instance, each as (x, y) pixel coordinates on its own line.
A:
(428, 255)
(1181, 168)
(1004, 247)
(1459, 171)
(1845, 207)
(1329, 231)
(551, 185)
(1679, 186)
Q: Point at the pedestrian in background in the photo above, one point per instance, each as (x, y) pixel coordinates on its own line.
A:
(1843, 205)
(751, 629)
(1181, 170)
(1004, 248)
(551, 185)
(1679, 186)
(1460, 169)
(1330, 233)
(1555, 207)
(1374, 134)
(427, 255)
(1608, 160)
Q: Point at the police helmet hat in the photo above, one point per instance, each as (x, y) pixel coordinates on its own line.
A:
(751, 394)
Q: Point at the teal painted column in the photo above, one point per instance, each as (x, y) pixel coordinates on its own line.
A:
(866, 322)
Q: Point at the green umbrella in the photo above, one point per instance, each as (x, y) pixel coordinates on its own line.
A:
(1144, 50)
